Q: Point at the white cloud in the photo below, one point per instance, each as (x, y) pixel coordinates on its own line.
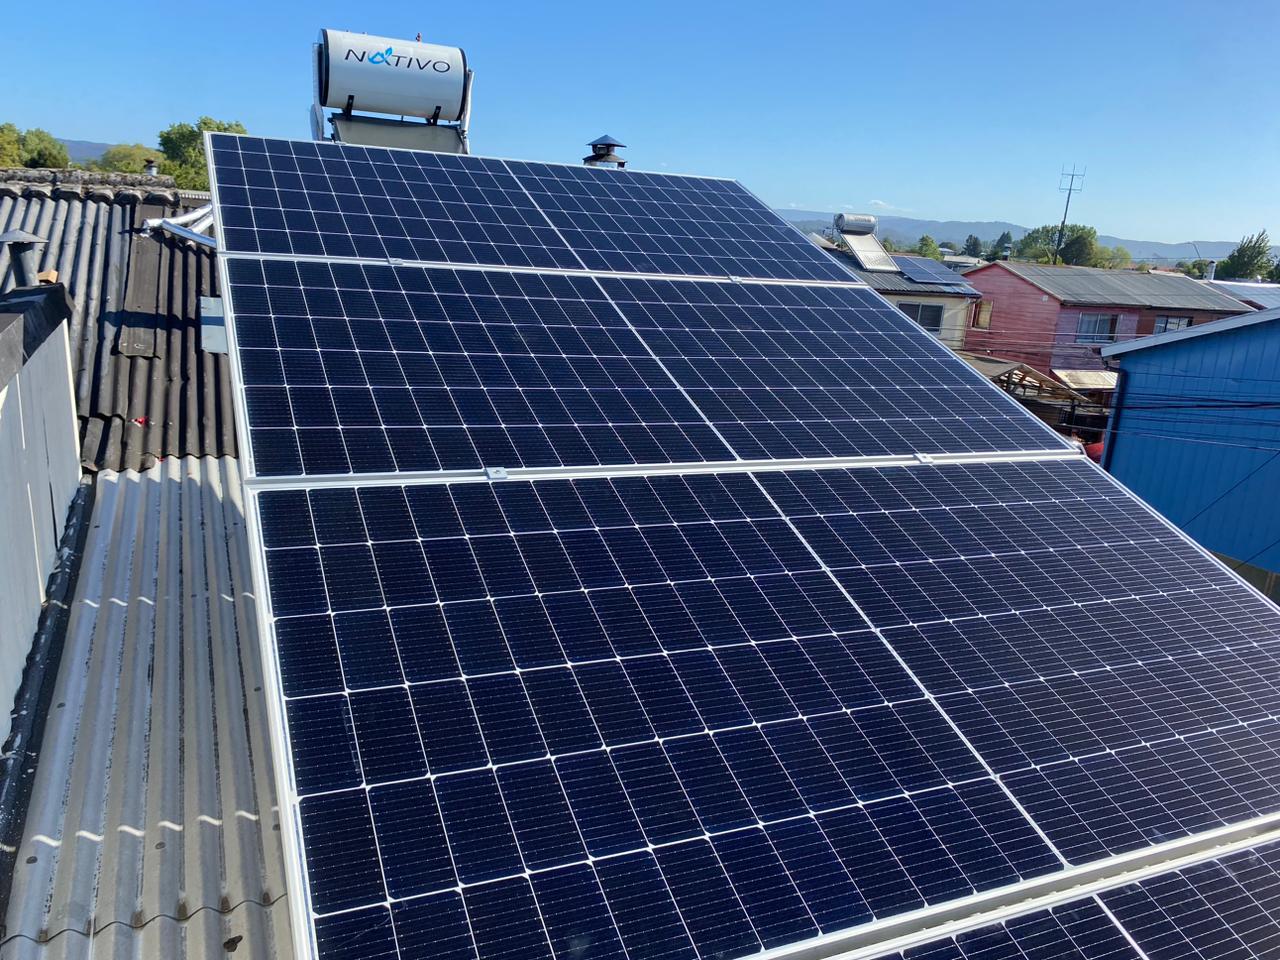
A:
(886, 206)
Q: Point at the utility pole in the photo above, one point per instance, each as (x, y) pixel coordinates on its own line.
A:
(1067, 185)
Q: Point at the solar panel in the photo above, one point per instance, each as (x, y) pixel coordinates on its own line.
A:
(351, 368)
(640, 696)
(338, 200)
(791, 371)
(1093, 660)
(1080, 930)
(659, 223)
(869, 253)
(1228, 907)
(927, 270)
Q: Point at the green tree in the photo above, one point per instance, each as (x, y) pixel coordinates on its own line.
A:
(41, 149)
(1251, 258)
(1079, 249)
(10, 145)
(1120, 257)
(126, 158)
(1038, 244)
(888, 244)
(928, 247)
(996, 250)
(1194, 268)
(183, 147)
(972, 246)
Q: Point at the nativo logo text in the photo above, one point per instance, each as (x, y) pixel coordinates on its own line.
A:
(392, 59)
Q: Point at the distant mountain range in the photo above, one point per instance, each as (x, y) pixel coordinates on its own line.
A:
(908, 230)
(82, 150)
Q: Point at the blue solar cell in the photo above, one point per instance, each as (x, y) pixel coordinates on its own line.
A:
(577, 918)
(505, 921)
(706, 900)
(359, 935)
(476, 823)
(434, 926)
(341, 854)
(411, 841)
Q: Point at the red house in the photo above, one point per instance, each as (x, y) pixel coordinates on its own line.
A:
(1057, 319)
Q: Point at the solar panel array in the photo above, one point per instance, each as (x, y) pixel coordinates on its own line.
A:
(333, 200)
(629, 708)
(1229, 907)
(925, 270)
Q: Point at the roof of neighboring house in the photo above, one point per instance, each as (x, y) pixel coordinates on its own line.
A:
(144, 389)
(896, 283)
(1198, 330)
(1086, 379)
(152, 829)
(1266, 295)
(1126, 288)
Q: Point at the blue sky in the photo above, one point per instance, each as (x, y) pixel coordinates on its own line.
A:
(924, 109)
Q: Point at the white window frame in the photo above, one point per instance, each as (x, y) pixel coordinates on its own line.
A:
(1096, 321)
(1163, 323)
(914, 309)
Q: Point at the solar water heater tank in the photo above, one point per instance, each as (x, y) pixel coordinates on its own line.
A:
(856, 224)
(422, 90)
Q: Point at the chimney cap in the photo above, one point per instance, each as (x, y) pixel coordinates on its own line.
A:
(20, 236)
(606, 141)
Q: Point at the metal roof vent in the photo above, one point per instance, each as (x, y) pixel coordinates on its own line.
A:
(22, 253)
(602, 151)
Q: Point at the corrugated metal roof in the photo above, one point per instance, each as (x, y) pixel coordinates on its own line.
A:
(152, 828)
(1130, 288)
(1087, 379)
(144, 389)
(1266, 295)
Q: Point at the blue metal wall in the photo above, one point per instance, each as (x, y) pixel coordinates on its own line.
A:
(1196, 433)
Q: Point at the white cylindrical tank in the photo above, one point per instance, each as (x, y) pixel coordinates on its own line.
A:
(382, 75)
(858, 224)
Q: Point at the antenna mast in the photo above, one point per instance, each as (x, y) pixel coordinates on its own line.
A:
(1067, 185)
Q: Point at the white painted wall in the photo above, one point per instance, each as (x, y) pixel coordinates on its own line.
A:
(39, 473)
(955, 315)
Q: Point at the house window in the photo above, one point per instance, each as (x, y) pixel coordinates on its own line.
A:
(982, 315)
(1097, 328)
(1167, 324)
(928, 315)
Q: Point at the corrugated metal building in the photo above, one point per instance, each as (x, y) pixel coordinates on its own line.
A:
(1195, 431)
(1056, 318)
(145, 823)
